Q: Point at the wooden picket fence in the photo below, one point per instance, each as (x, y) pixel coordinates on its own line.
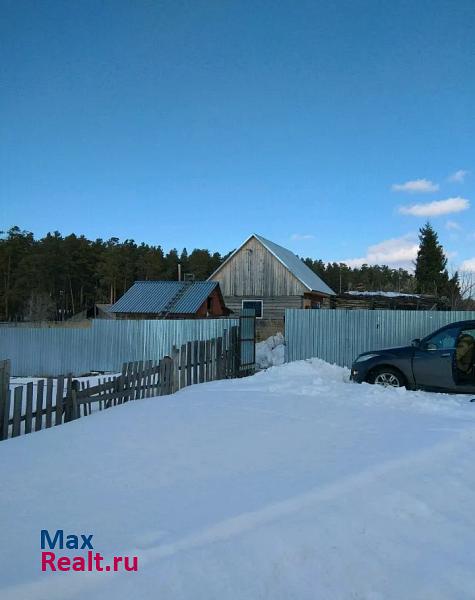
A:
(64, 399)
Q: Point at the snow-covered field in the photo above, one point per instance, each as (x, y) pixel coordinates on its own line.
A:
(291, 484)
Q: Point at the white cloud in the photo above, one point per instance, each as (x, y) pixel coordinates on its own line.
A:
(302, 236)
(468, 265)
(417, 186)
(436, 208)
(395, 252)
(458, 176)
(453, 226)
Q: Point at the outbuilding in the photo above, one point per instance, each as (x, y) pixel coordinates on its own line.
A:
(170, 300)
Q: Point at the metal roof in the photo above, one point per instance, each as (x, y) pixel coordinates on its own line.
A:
(291, 261)
(176, 297)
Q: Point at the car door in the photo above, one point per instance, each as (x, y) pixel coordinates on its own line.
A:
(465, 373)
(433, 361)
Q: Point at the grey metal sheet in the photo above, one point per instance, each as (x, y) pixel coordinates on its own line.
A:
(102, 346)
(157, 296)
(338, 336)
(297, 267)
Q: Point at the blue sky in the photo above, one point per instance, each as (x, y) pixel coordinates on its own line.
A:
(196, 123)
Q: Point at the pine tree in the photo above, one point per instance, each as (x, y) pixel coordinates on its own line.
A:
(431, 273)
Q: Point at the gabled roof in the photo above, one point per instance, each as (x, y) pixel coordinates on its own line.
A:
(175, 297)
(291, 261)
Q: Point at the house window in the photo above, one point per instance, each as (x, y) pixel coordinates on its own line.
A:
(256, 305)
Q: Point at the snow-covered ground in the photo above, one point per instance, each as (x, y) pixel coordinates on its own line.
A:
(292, 483)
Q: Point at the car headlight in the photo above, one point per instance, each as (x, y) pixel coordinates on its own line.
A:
(364, 357)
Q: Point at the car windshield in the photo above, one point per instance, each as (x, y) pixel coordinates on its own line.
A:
(443, 340)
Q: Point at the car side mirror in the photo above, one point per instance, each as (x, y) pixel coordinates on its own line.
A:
(416, 342)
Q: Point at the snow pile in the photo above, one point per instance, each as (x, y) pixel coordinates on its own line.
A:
(271, 352)
(293, 483)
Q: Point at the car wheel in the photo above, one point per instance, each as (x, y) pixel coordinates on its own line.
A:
(387, 377)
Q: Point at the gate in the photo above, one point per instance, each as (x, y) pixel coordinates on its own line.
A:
(247, 342)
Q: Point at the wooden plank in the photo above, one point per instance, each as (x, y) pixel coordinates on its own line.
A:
(86, 405)
(139, 386)
(75, 387)
(40, 387)
(126, 381)
(234, 352)
(6, 417)
(212, 360)
(202, 365)
(219, 358)
(29, 407)
(207, 360)
(195, 346)
(183, 366)
(4, 393)
(175, 375)
(59, 401)
(162, 377)
(189, 363)
(169, 374)
(106, 384)
(148, 380)
(49, 402)
(68, 402)
(17, 403)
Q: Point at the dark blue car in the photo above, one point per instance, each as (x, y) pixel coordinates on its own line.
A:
(443, 361)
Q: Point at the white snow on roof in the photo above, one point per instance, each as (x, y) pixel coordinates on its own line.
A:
(387, 294)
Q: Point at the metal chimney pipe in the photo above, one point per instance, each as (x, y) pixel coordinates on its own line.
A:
(179, 271)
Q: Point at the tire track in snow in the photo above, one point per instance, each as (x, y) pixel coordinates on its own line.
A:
(73, 584)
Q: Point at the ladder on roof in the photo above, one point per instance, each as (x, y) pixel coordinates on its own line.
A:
(181, 292)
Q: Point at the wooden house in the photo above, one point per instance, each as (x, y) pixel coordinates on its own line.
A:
(269, 278)
(170, 300)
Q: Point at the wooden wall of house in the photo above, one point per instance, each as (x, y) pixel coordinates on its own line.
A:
(273, 306)
(254, 271)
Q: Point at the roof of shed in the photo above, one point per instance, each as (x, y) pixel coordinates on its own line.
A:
(154, 297)
(292, 262)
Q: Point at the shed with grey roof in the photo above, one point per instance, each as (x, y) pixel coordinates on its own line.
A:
(270, 278)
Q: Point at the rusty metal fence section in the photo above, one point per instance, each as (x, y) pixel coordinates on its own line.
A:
(338, 336)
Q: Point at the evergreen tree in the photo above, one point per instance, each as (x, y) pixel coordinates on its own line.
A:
(431, 273)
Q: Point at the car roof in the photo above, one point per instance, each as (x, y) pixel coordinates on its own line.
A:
(469, 322)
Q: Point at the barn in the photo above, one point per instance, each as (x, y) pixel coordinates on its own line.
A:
(170, 300)
(268, 278)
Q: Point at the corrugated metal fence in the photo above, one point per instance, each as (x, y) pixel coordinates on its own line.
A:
(338, 336)
(104, 346)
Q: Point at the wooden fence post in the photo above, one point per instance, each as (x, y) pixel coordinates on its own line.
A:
(49, 403)
(189, 359)
(183, 366)
(196, 360)
(5, 366)
(29, 407)
(59, 400)
(201, 360)
(39, 404)
(6, 417)
(219, 358)
(175, 370)
(17, 404)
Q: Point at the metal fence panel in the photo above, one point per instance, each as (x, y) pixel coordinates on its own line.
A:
(338, 336)
(104, 345)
